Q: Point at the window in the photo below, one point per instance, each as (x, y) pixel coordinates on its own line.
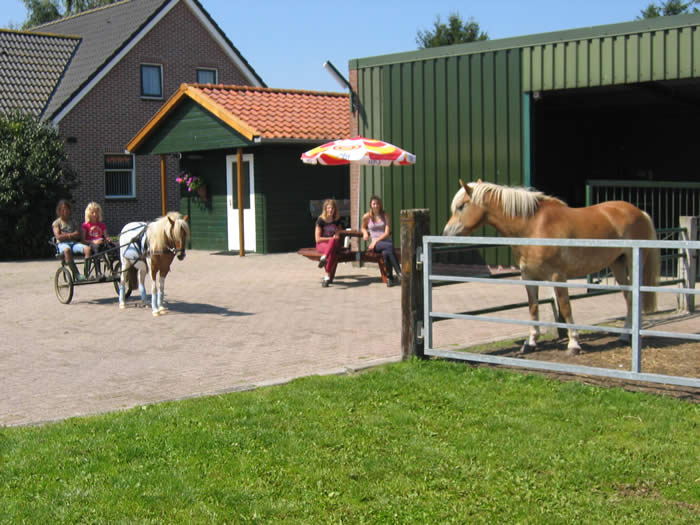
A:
(151, 81)
(206, 76)
(119, 175)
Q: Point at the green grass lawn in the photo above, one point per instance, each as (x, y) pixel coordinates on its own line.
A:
(414, 442)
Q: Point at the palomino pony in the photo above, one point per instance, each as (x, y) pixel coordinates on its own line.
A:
(152, 246)
(520, 212)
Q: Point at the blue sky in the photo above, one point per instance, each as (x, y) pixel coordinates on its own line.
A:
(287, 42)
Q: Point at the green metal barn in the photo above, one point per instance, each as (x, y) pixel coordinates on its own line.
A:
(616, 102)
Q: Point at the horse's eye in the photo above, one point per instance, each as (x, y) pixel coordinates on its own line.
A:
(460, 207)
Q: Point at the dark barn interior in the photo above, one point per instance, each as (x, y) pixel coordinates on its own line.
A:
(635, 132)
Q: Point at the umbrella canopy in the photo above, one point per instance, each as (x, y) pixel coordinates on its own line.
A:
(358, 150)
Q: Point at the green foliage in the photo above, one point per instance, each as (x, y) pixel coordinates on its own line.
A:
(669, 8)
(33, 177)
(414, 442)
(454, 32)
(44, 11)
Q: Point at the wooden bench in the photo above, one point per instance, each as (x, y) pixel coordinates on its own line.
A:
(349, 255)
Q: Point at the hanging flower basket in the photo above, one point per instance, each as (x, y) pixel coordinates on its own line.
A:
(193, 186)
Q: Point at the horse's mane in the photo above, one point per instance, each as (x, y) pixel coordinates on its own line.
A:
(514, 201)
(159, 233)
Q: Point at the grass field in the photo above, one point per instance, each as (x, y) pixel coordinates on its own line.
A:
(414, 442)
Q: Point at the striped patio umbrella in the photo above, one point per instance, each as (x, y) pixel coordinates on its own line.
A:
(358, 150)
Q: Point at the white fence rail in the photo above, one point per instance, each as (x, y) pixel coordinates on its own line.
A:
(635, 331)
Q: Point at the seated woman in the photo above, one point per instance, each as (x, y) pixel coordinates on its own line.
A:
(94, 234)
(327, 238)
(67, 237)
(377, 230)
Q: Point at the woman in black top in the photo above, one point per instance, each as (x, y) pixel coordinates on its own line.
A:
(327, 238)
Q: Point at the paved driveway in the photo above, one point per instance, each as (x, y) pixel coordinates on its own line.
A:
(234, 323)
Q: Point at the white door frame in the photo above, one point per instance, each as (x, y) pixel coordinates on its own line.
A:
(232, 213)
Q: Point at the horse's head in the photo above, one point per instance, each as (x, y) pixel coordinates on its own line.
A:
(179, 233)
(466, 216)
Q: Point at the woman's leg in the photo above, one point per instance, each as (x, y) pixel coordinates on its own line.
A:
(386, 248)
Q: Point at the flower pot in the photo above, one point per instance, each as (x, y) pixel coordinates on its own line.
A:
(202, 191)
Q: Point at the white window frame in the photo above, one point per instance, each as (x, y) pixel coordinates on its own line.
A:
(209, 69)
(132, 181)
(141, 70)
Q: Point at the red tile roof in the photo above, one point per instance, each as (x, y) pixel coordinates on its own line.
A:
(261, 114)
(284, 113)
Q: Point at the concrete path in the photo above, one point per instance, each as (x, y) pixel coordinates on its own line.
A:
(234, 323)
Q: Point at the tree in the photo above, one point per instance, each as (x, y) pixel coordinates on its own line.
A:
(454, 32)
(669, 8)
(33, 177)
(44, 11)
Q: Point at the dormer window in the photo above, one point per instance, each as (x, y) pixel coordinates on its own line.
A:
(151, 81)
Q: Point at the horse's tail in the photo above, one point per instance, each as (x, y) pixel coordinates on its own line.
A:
(651, 268)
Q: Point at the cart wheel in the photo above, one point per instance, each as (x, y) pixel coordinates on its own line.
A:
(116, 273)
(63, 284)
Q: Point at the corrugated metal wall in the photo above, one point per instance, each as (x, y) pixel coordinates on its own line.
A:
(655, 55)
(461, 116)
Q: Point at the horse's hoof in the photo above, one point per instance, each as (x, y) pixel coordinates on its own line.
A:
(155, 313)
(163, 311)
(525, 349)
(122, 306)
(573, 351)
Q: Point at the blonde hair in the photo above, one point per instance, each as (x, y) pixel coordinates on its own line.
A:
(90, 208)
(336, 215)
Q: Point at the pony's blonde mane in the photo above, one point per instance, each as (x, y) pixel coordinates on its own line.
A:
(514, 201)
(159, 234)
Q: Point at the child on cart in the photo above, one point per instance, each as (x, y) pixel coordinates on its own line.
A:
(68, 237)
(94, 234)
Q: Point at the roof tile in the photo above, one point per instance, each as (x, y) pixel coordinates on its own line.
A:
(284, 113)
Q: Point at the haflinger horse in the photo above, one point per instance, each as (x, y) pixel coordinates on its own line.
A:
(152, 247)
(521, 212)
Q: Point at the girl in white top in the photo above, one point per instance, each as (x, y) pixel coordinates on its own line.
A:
(377, 230)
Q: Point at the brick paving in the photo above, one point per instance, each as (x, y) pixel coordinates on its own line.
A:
(234, 323)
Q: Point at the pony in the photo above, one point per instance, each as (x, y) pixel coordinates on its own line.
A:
(151, 247)
(528, 213)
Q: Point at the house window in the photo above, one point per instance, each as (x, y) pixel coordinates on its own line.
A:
(119, 175)
(206, 76)
(151, 80)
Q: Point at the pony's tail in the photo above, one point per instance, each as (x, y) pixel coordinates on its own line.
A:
(650, 272)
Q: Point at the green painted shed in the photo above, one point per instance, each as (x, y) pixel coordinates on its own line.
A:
(549, 110)
(214, 128)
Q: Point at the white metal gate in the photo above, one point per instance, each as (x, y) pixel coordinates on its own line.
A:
(635, 332)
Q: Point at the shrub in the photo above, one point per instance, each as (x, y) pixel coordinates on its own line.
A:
(33, 177)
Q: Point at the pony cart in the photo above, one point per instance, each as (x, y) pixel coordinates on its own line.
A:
(143, 247)
(109, 262)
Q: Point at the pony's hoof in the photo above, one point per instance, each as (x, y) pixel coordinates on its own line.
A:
(573, 351)
(122, 306)
(155, 313)
(526, 348)
(163, 311)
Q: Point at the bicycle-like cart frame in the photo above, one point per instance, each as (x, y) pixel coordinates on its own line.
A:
(63, 280)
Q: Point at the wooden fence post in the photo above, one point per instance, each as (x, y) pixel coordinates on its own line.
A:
(414, 225)
(688, 265)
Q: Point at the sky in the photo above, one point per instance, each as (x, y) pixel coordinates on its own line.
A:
(287, 41)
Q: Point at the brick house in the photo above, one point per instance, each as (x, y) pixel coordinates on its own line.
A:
(116, 67)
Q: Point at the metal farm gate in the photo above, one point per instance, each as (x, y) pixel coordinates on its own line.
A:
(665, 202)
(432, 277)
